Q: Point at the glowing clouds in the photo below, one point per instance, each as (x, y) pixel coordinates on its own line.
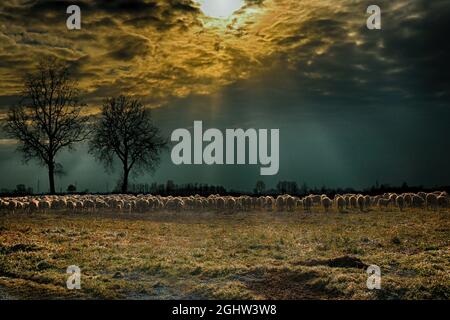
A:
(220, 9)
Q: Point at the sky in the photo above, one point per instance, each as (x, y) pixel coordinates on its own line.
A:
(353, 105)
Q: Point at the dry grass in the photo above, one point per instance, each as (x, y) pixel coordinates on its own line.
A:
(214, 256)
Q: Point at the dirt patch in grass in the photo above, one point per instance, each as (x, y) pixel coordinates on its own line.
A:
(339, 262)
(286, 284)
(20, 247)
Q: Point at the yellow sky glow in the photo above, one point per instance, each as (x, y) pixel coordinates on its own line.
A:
(196, 47)
(221, 9)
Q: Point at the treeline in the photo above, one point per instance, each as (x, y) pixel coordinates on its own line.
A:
(171, 188)
(292, 188)
(204, 189)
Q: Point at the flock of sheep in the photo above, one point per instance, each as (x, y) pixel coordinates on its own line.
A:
(145, 203)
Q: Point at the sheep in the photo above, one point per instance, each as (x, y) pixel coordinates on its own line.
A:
(128, 205)
(382, 202)
(280, 203)
(443, 201)
(347, 201)
(175, 204)
(367, 202)
(326, 203)
(431, 201)
(34, 205)
(408, 199)
(353, 202)
(417, 201)
(360, 202)
(400, 202)
(290, 203)
(307, 203)
(422, 194)
(12, 205)
(392, 198)
(101, 204)
(89, 205)
(220, 203)
(45, 205)
(255, 203)
(262, 202)
(247, 202)
(374, 200)
(316, 199)
(211, 202)
(269, 203)
(4, 205)
(299, 203)
(143, 203)
(231, 203)
(340, 203)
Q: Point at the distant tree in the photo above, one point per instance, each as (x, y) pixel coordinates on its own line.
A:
(71, 188)
(125, 131)
(21, 189)
(289, 187)
(48, 117)
(170, 186)
(260, 187)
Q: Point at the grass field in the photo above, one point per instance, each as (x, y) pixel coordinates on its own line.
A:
(216, 256)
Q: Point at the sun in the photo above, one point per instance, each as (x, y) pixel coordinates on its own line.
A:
(220, 9)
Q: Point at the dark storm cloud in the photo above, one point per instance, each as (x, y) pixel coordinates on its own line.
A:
(128, 47)
(406, 60)
(417, 39)
(139, 11)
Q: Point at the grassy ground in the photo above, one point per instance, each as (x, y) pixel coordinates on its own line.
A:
(214, 256)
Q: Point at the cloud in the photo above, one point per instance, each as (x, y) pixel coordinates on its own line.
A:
(161, 50)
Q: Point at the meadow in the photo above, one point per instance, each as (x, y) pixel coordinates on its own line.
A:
(209, 255)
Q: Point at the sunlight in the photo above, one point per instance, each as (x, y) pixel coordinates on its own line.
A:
(220, 9)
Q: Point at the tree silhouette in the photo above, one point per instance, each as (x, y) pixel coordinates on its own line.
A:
(125, 131)
(260, 187)
(48, 117)
(71, 188)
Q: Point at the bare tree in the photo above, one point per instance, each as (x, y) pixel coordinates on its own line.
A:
(260, 187)
(48, 117)
(125, 131)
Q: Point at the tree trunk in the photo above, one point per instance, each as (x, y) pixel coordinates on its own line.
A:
(51, 177)
(125, 181)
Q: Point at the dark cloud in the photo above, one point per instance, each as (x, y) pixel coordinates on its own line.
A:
(128, 47)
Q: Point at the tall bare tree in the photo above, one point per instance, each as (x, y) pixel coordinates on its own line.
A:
(48, 117)
(125, 131)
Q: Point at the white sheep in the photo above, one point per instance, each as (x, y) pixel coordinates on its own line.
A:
(340, 203)
(307, 203)
(431, 201)
(326, 203)
(400, 202)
